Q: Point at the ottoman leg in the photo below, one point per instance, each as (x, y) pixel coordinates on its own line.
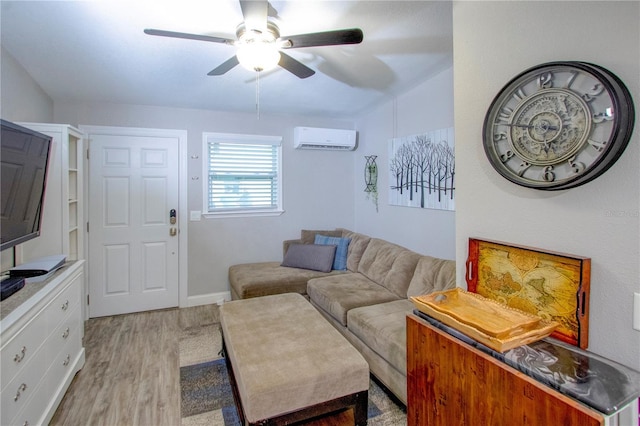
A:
(360, 410)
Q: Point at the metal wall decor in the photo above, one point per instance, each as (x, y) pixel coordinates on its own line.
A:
(371, 178)
(422, 170)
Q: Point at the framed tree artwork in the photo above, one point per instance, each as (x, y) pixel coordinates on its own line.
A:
(422, 170)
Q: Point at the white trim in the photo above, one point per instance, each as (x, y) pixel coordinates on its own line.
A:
(183, 222)
(183, 262)
(239, 138)
(208, 299)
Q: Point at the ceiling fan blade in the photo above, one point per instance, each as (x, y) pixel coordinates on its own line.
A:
(187, 36)
(255, 14)
(225, 66)
(328, 38)
(294, 66)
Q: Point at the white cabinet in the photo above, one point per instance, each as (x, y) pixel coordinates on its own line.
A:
(62, 228)
(41, 346)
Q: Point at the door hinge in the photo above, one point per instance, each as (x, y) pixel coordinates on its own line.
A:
(87, 153)
(87, 299)
(87, 227)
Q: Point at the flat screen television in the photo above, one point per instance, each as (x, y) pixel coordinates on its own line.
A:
(24, 163)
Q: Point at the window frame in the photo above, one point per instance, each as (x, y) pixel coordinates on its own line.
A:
(233, 138)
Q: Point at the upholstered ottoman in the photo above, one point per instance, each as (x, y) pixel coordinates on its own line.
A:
(287, 363)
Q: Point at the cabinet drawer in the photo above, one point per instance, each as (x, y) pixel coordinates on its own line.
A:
(23, 386)
(62, 365)
(21, 348)
(31, 413)
(59, 338)
(63, 303)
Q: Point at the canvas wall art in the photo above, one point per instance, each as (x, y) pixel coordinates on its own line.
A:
(422, 170)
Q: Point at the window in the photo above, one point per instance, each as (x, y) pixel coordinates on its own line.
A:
(243, 174)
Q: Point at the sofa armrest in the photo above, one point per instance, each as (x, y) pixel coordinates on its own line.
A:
(287, 243)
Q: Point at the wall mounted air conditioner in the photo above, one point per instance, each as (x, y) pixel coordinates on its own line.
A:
(317, 138)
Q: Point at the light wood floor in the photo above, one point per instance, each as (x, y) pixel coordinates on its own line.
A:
(132, 376)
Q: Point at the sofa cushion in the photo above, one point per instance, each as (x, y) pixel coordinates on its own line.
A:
(432, 275)
(357, 246)
(389, 265)
(308, 236)
(317, 257)
(342, 247)
(337, 294)
(249, 280)
(382, 328)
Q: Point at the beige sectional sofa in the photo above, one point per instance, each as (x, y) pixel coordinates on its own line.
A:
(368, 302)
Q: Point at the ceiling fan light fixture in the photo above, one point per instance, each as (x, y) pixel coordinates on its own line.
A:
(258, 55)
(259, 46)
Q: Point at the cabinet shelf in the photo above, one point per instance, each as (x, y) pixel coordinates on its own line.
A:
(63, 203)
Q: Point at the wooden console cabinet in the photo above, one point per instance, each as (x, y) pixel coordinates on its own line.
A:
(452, 383)
(41, 346)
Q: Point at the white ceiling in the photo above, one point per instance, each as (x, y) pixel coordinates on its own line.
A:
(96, 51)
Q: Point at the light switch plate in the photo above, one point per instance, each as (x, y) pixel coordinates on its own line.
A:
(636, 311)
(194, 215)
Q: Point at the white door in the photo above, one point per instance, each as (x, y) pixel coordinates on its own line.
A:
(133, 244)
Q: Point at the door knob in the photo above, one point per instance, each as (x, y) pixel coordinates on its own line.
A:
(173, 232)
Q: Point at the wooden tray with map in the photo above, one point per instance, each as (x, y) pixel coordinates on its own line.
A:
(490, 317)
(489, 322)
(551, 285)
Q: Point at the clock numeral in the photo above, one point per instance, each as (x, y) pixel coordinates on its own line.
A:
(505, 114)
(545, 81)
(599, 146)
(548, 175)
(595, 91)
(607, 115)
(571, 79)
(519, 95)
(524, 166)
(506, 156)
(497, 137)
(576, 167)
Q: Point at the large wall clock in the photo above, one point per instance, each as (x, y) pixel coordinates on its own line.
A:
(558, 125)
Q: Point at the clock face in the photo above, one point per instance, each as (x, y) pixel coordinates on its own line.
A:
(558, 125)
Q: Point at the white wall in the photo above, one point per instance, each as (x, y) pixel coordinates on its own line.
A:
(317, 184)
(492, 43)
(22, 98)
(429, 106)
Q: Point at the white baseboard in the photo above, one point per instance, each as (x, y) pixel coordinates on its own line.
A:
(208, 299)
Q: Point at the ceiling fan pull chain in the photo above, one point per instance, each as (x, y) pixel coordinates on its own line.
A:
(258, 94)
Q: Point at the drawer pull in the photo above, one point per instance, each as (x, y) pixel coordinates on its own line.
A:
(65, 305)
(21, 388)
(67, 360)
(66, 333)
(19, 357)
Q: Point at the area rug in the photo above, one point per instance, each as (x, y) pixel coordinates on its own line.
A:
(206, 393)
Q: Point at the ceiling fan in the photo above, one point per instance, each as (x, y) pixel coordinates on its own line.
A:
(259, 45)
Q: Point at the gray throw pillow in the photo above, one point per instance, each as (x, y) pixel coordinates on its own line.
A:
(317, 257)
